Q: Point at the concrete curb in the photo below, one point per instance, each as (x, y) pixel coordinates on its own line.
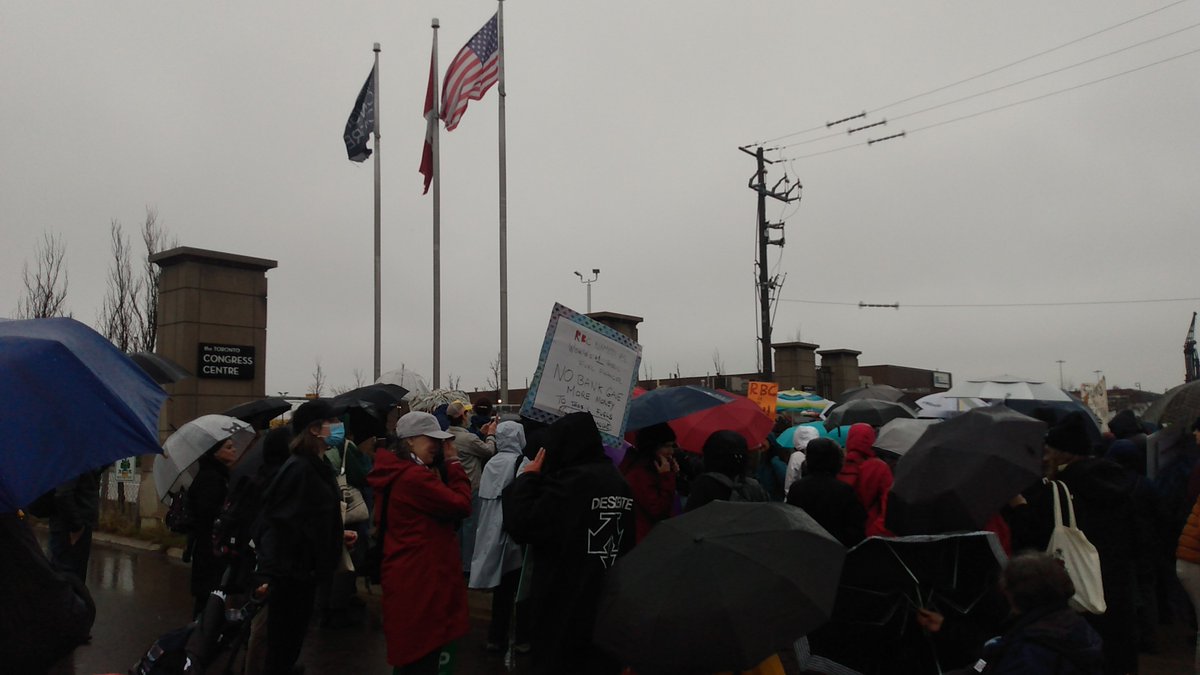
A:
(125, 542)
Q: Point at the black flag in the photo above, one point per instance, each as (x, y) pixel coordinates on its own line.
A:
(361, 122)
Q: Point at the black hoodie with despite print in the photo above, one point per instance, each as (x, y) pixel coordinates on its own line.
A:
(576, 515)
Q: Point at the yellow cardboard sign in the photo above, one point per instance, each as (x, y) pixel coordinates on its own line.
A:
(765, 395)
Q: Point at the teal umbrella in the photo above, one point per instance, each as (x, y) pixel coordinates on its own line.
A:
(787, 438)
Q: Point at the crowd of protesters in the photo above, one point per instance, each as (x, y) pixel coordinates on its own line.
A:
(459, 499)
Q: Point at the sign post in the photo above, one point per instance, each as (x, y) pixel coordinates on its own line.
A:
(584, 366)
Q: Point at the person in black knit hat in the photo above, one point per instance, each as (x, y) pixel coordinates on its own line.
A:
(1102, 494)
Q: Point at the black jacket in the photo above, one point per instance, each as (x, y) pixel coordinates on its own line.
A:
(1052, 640)
(300, 526)
(1104, 510)
(45, 614)
(577, 517)
(831, 503)
(205, 498)
(77, 503)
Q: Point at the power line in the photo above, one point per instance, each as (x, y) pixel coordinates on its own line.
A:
(997, 304)
(1005, 86)
(1031, 57)
(1048, 73)
(944, 87)
(1015, 103)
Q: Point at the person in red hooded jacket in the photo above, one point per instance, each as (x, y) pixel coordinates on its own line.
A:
(870, 477)
(424, 593)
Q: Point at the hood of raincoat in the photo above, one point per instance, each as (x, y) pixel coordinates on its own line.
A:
(502, 469)
(803, 435)
(860, 439)
(570, 441)
(510, 437)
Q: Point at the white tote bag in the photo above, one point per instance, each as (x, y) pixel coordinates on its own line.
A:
(1070, 546)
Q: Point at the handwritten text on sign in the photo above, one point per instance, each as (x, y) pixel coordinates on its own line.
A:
(585, 370)
(766, 395)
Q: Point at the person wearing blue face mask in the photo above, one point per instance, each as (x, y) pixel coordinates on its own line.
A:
(299, 535)
(337, 595)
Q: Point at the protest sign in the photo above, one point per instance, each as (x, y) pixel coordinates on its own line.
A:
(584, 366)
(765, 395)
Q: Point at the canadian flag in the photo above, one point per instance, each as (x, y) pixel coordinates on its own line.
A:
(431, 119)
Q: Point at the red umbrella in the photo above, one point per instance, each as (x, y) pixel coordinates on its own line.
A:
(741, 415)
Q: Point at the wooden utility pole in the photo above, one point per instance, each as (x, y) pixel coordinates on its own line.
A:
(766, 284)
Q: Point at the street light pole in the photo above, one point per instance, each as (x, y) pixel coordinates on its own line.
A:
(1060, 375)
(588, 283)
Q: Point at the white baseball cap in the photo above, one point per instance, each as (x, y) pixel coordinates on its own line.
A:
(420, 424)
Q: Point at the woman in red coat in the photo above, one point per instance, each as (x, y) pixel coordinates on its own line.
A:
(650, 469)
(424, 593)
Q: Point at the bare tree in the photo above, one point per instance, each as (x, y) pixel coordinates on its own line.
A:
(359, 378)
(452, 381)
(493, 378)
(318, 381)
(46, 286)
(718, 364)
(121, 314)
(647, 371)
(155, 238)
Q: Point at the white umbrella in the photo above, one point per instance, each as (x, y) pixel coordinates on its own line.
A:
(430, 400)
(940, 406)
(414, 383)
(176, 468)
(1006, 387)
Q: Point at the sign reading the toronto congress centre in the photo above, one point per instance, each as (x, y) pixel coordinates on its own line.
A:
(229, 362)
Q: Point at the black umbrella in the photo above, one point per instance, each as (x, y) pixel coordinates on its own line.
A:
(871, 411)
(259, 413)
(962, 471)
(871, 392)
(160, 369)
(1053, 412)
(373, 396)
(670, 403)
(720, 588)
(886, 581)
(367, 408)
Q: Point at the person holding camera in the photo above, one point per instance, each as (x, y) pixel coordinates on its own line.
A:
(424, 593)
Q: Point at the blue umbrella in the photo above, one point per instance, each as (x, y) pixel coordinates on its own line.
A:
(71, 402)
(671, 403)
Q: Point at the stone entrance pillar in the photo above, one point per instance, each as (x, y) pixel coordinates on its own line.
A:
(212, 320)
(796, 365)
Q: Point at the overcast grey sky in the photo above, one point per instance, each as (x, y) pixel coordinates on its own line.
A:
(624, 120)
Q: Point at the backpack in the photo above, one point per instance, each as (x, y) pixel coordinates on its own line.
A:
(179, 516)
(744, 489)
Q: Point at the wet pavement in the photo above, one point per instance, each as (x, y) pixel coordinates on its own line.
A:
(142, 594)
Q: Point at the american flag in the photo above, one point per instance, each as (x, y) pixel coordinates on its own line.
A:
(471, 74)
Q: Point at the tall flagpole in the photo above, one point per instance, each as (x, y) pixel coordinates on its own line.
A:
(437, 226)
(503, 217)
(378, 265)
